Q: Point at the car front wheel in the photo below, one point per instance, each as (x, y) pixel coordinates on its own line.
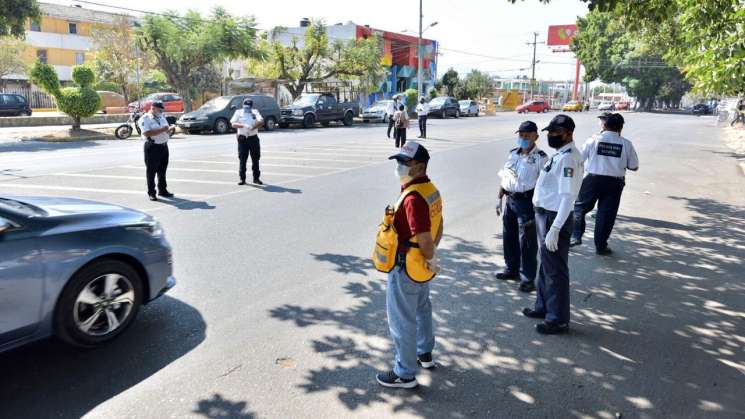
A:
(221, 126)
(271, 124)
(98, 303)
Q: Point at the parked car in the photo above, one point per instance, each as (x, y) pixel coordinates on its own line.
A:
(76, 269)
(215, 114)
(607, 106)
(468, 107)
(533, 106)
(376, 111)
(573, 106)
(112, 102)
(14, 105)
(444, 106)
(623, 106)
(310, 108)
(701, 109)
(172, 102)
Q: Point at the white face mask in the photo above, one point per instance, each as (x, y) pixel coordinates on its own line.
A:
(402, 172)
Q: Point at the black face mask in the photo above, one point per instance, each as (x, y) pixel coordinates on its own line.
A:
(555, 141)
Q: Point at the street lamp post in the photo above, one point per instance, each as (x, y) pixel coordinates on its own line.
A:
(419, 51)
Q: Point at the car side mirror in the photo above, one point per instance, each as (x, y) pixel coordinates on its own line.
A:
(232, 108)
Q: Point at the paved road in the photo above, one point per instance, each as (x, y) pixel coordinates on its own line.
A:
(278, 314)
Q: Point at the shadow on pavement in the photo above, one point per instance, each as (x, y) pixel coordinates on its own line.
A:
(278, 189)
(51, 379)
(186, 204)
(36, 146)
(657, 330)
(218, 407)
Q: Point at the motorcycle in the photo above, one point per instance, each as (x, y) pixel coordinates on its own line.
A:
(125, 130)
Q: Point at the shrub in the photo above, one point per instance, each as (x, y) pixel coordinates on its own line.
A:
(77, 102)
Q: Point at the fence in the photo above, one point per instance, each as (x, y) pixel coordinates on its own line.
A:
(36, 98)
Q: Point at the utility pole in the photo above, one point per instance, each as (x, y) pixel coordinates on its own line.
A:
(419, 55)
(532, 76)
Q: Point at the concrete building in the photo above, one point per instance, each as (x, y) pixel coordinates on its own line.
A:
(62, 37)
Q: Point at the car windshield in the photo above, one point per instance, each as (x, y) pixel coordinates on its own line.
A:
(464, 102)
(152, 96)
(381, 104)
(306, 100)
(216, 103)
(20, 207)
(437, 101)
(571, 102)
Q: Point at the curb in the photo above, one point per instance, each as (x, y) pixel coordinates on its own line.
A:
(71, 139)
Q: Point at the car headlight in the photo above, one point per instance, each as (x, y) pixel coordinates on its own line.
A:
(153, 228)
(298, 112)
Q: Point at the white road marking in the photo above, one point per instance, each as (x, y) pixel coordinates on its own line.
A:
(307, 159)
(92, 175)
(179, 169)
(96, 190)
(263, 164)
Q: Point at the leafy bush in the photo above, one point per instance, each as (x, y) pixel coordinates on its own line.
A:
(411, 98)
(77, 102)
(433, 93)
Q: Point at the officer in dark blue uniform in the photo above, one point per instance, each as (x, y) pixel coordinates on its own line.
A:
(607, 156)
(518, 178)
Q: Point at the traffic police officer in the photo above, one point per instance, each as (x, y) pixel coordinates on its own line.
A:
(248, 121)
(519, 176)
(607, 156)
(154, 129)
(555, 192)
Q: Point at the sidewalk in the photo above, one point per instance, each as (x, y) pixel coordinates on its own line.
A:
(734, 139)
(57, 133)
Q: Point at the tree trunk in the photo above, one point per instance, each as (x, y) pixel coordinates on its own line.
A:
(76, 123)
(186, 95)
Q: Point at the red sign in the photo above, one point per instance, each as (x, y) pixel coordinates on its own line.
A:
(561, 34)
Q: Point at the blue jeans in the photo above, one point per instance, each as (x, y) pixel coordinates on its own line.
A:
(409, 320)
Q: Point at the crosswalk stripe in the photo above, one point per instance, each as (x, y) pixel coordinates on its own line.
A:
(306, 159)
(262, 164)
(180, 169)
(97, 190)
(170, 179)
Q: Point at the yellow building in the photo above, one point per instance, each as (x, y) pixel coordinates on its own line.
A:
(62, 37)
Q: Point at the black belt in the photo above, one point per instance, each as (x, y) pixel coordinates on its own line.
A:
(526, 194)
(608, 176)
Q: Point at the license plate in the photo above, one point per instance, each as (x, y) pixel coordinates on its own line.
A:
(186, 124)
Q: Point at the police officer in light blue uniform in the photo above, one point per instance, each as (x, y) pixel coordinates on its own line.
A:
(155, 133)
(557, 187)
(607, 156)
(518, 178)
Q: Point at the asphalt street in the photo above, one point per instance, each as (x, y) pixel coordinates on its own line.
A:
(278, 313)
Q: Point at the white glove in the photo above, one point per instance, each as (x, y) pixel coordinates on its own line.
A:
(499, 207)
(552, 239)
(434, 263)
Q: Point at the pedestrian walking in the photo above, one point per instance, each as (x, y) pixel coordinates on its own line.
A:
(248, 121)
(607, 156)
(155, 132)
(739, 113)
(422, 110)
(391, 112)
(518, 178)
(555, 192)
(402, 124)
(408, 253)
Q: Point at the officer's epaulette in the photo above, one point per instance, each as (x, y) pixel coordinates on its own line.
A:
(568, 150)
(542, 153)
(514, 149)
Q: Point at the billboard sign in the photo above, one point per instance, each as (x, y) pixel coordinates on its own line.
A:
(561, 35)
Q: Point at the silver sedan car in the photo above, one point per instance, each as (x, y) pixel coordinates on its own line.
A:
(76, 269)
(468, 107)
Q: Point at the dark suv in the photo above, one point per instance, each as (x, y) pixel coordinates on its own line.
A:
(215, 115)
(14, 105)
(444, 106)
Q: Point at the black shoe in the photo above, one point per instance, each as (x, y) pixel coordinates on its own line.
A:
(575, 242)
(506, 275)
(243, 182)
(527, 287)
(604, 251)
(258, 182)
(529, 312)
(547, 328)
(390, 379)
(152, 197)
(425, 361)
(165, 194)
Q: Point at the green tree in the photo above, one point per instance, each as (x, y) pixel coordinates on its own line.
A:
(449, 81)
(184, 45)
(77, 102)
(13, 16)
(116, 57)
(315, 59)
(11, 58)
(478, 84)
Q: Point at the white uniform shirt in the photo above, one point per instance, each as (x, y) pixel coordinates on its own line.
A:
(422, 109)
(609, 154)
(250, 120)
(392, 108)
(520, 172)
(148, 122)
(561, 175)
